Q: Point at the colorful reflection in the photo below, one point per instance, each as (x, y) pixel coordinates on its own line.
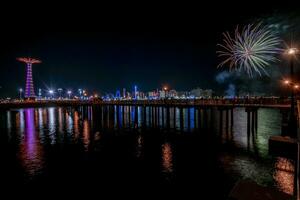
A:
(139, 116)
(284, 175)
(8, 122)
(60, 120)
(41, 123)
(20, 122)
(167, 158)
(86, 134)
(44, 126)
(31, 151)
(52, 125)
(76, 125)
(69, 123)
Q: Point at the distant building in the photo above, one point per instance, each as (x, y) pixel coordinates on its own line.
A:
(118, 94)
(162, 94)
(124, 93)
(200, 93)
(182, 94)
(128, 95)
(196, 92)
(207, 93)
(172, 93)
(153, 94)
(140, 95)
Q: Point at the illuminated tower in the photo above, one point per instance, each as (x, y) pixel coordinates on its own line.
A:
(118, 94)
(124, 93)
(29, 89)
(135, 92)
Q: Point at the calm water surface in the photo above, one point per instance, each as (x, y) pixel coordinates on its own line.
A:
(134, 149)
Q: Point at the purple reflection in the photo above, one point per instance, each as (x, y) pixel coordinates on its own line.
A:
(29, 135)
(31, 150)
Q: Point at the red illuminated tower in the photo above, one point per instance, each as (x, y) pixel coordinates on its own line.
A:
(29, 89)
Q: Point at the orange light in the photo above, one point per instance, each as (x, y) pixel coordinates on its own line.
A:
(286, 82)
(292, 51)
(296, 86)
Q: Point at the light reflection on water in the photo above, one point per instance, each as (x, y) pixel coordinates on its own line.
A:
(247, 156)
(139, 147)
(86, 134)
(167, 158)
(69, 123)
(41, 121)
(284, 175)
(76, 126)
(52, 125)
(31, 150)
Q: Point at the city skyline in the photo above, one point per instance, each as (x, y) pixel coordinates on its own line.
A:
(121, 93)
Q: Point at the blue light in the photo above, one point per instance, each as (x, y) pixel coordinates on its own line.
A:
(135, 92)
(118, 94)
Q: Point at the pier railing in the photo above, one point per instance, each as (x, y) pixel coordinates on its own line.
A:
(204, 102)
(245, 102)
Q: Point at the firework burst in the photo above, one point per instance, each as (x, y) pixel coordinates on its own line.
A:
(252, 49)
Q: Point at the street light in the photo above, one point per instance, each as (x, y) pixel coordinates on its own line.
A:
(69, 93)
(60, 91)
(292, 52)
(287, 82)
(165, 88)
(20, 91)
(51, 92)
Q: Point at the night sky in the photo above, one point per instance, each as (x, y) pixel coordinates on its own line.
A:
(103, 48)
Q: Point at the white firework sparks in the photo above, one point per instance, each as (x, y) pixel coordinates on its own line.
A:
(253, 49)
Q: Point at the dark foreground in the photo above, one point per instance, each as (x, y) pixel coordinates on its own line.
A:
(88, 151)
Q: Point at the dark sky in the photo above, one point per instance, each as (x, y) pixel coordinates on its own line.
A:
(103, 48)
